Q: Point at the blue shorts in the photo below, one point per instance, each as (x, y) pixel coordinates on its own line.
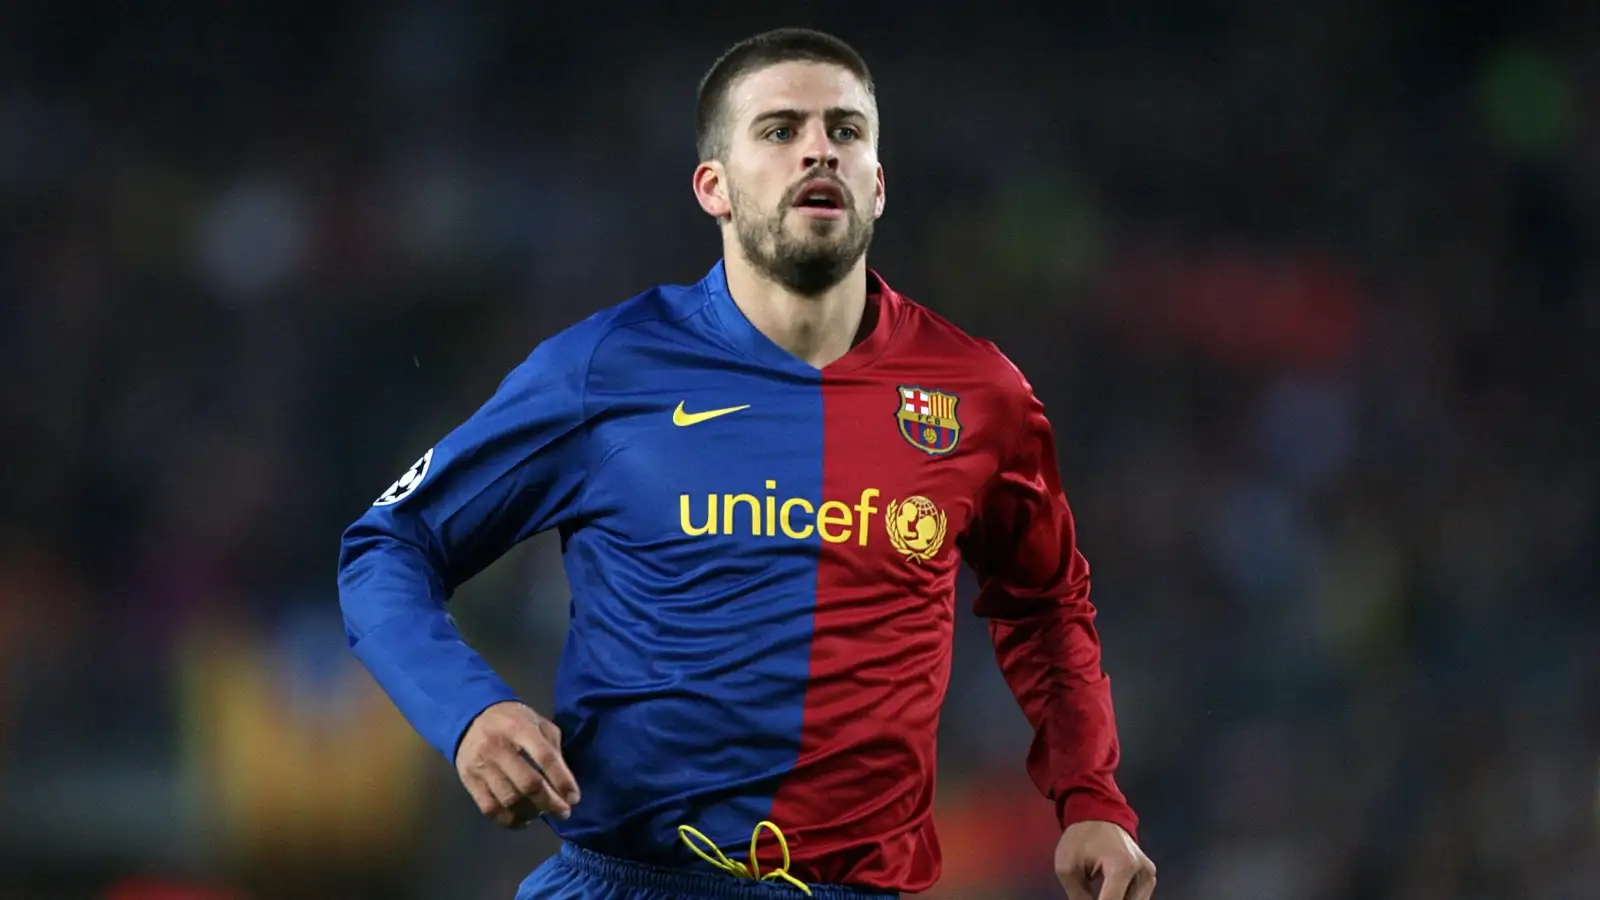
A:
(578, 874)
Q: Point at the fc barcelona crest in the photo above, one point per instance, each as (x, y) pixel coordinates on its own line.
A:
(927, 420)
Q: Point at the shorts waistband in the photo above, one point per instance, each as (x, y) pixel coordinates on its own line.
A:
(711, 885)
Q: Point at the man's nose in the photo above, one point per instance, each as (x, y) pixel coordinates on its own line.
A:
(820, 150)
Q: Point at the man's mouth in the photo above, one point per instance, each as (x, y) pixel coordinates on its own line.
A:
(820, 194)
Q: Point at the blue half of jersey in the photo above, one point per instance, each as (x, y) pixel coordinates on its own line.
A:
(681, 687)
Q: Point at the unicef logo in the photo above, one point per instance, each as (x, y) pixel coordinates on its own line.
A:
(916, 527)
(407, 483)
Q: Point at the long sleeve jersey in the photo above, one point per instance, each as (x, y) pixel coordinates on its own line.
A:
(763, 560)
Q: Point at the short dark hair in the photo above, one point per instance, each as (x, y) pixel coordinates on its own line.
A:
(753, 54)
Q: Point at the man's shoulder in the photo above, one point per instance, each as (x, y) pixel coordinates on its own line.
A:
(927, 332)
(611, 327)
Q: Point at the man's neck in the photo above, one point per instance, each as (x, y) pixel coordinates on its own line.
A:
(817, 330)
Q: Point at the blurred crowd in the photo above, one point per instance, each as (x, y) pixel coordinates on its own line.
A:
(1308, 290)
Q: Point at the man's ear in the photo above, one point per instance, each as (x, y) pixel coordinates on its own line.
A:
(711, 189)
(881, 198)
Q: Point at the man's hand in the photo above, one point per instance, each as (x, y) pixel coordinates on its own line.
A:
(1100, 849)
(510, 761)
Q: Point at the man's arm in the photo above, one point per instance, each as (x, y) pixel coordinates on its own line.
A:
(1034, 589)
(514, 468)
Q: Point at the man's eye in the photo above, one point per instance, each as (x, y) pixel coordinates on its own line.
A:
(846, 133)
(781, 133)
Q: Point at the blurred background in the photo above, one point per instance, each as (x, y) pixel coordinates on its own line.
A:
(1310, 291)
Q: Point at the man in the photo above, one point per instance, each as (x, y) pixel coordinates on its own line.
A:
(764, 483)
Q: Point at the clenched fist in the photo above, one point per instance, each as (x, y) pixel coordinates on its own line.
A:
(1100, 851)
(510, 762)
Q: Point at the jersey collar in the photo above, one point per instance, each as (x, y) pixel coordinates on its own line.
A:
(750, 341)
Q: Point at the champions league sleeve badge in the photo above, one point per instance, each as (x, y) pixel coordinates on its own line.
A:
(407, 483)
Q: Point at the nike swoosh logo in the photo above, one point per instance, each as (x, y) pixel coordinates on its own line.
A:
(685, 419)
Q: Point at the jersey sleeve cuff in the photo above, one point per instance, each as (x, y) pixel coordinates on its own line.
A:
(466, 713)
(1078, 806)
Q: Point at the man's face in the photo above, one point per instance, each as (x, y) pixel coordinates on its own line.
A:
(803, 182)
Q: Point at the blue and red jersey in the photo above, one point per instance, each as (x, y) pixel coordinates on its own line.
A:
(763, 560)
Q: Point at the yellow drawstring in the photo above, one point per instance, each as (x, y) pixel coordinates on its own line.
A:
(738, 869)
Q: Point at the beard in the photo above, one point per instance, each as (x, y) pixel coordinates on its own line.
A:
(807, 264)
